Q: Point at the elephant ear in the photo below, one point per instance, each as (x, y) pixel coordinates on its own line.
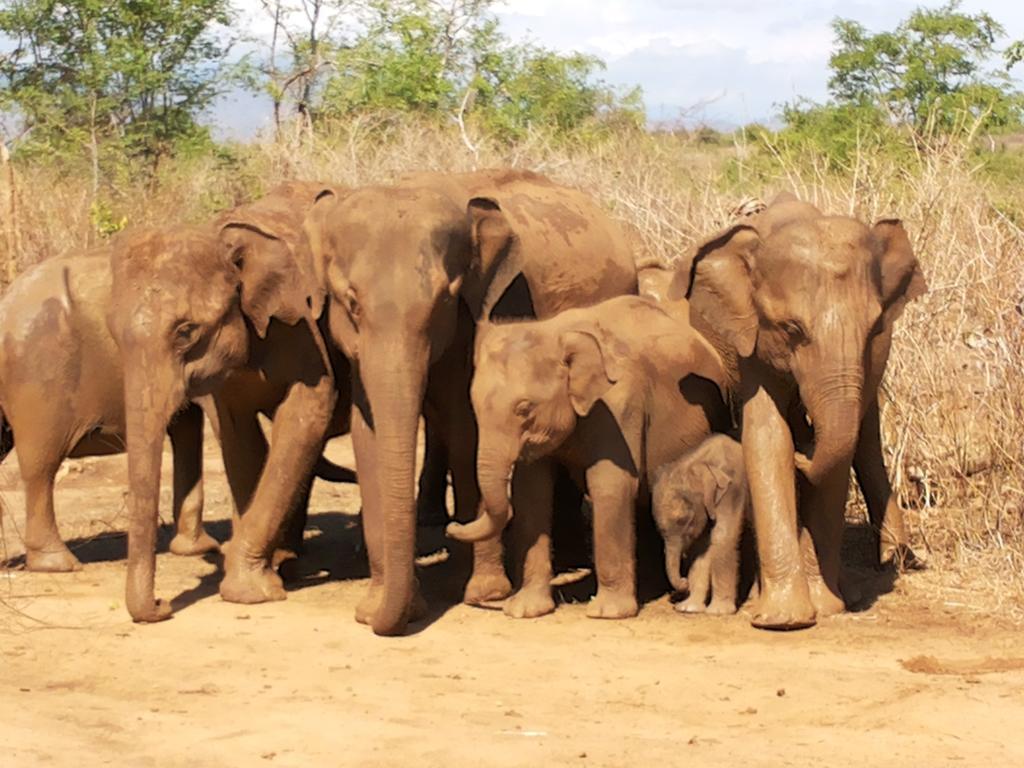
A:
(591, 372)
(714, 483)
(719, 285)
(494, 267)
(269, 247)
(315, 227)
(900, 277)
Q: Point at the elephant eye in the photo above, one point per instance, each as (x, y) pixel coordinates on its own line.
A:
(351, 302)
(795, 330)
(523, 409)
(186, 334)
(238, 257)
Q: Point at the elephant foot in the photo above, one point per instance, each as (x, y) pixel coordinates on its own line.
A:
(612, 605)
(826, 602)
(721, 607)
(157, 610)
(56, 560)
(487, 587)
(251, 582)
(187, 545)
(783, 608)
(529, 603)
(691, 605)
(368, 606)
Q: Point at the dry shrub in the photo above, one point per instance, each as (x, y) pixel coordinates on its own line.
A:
(952, 399)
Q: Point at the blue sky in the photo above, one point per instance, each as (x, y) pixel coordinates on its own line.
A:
(724, 62)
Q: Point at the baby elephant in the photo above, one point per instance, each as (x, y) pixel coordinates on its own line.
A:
(705, 486)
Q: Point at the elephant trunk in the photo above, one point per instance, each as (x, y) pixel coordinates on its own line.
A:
(834, 405)
(395, 383)
(150, 401)
(673, 562)
(494, 472)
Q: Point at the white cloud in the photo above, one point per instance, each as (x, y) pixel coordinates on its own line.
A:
(743, 56)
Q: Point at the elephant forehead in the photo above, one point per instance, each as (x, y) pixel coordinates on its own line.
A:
(517, 352)
(831, 246)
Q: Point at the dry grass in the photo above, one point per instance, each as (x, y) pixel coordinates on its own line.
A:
(953, 413)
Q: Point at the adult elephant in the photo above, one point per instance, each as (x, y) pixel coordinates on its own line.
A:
(396, 260)
(802, 306)
(223, 312)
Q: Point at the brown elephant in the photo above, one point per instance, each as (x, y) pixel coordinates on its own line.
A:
(611, 392)
(408, 269)
(224, 312)
(62, 396)
(703, 498)
(801, 306)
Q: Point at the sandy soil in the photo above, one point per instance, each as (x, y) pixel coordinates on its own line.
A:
(911, 680)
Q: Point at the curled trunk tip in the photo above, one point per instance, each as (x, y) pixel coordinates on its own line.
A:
(673, 563)
(486, 526)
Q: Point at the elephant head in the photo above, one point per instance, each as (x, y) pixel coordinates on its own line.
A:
(532, 383)
(813, 298)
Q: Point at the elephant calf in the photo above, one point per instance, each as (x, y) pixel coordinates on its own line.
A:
(610, 392)
(62, 395)
(705, 487)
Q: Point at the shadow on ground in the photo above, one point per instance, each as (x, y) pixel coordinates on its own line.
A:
(334, 551)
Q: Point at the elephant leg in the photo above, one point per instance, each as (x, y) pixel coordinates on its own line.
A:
(821, 539)
(45, 550)
(365, 448)
(699, 578)
(244, 451)
(186, 432)
(785, 600)
(533, 487)
(883, 509)
(724, 553)
(295, 523)
(300, 423)
(613, 497)
(431, 501)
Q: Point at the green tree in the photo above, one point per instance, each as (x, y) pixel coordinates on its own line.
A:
(932, 69)
(526, 85)
(411, 55)
(93, 73)
(451, 59)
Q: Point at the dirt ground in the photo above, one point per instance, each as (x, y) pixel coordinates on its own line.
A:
(914, 679)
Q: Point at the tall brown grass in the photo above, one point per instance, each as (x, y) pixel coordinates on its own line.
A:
(953, 399)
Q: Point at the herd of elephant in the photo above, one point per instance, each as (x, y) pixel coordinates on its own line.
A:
(733, 390)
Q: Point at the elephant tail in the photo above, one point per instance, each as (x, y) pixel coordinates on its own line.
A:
(327, 470)
(6, 437)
